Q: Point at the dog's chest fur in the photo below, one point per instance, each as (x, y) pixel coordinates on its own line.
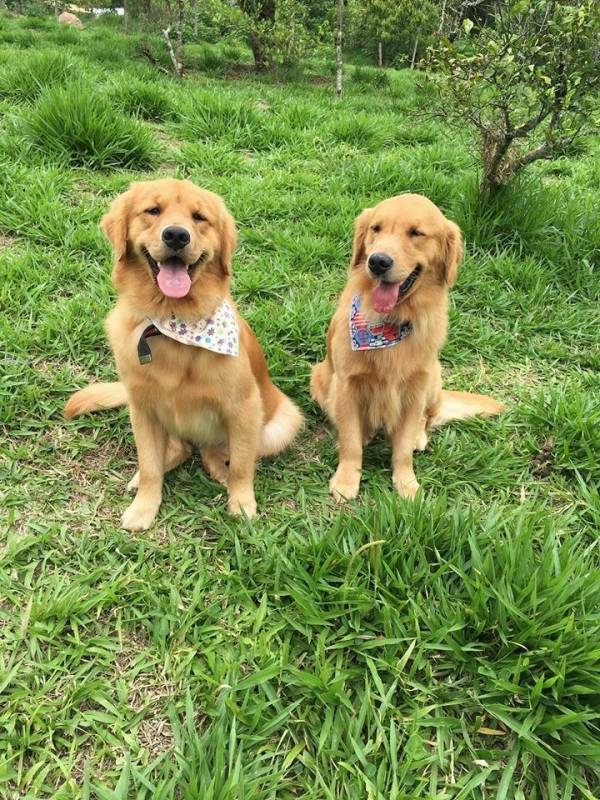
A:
(184, 386)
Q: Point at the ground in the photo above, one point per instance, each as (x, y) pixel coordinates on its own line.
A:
(442, 649)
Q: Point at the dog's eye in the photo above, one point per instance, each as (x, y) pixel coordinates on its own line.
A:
(415, 232)
(375, 228)
(198, 216)
(155, 211)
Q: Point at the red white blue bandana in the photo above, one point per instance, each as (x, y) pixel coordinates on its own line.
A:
(218, 333)
(367, 335)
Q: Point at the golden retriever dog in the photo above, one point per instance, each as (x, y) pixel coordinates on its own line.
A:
(382, 368)
(191, 369)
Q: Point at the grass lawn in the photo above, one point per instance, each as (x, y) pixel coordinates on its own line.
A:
(448, 648)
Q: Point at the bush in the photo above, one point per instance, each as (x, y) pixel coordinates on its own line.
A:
(26, 79)
(79, 125)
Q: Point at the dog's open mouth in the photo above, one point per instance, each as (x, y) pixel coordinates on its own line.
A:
(387, 295)
(173, 276)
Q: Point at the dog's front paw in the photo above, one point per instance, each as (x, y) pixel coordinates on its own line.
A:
(139, 516)
(345, 484)
(134, 482)
(421, 441)
(242, 504)
(406, 485)
(216, 464)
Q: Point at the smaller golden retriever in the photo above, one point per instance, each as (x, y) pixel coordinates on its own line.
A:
(382, 368)
(191, 369)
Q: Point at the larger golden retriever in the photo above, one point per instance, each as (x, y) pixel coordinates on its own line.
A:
(382, 368)
(173, 245)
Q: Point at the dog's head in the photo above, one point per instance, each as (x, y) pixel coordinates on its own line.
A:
(405, 243)
(168, 233)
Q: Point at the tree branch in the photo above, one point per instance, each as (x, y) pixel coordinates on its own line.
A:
(145, 51)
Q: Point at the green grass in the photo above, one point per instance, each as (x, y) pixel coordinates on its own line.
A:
(446, 649)
(78, 125)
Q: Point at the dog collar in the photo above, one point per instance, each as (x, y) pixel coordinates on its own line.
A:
(366, 335)
(218, 333)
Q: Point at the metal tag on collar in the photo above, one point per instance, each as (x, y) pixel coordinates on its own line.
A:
(143, 348)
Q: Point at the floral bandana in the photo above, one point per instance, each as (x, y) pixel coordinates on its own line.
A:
(366, 335)
(219, 333)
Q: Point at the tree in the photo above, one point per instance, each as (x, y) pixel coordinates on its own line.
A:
(524, 81)
(339, 60)
(401, 29)
(261, 18)
(176, 53)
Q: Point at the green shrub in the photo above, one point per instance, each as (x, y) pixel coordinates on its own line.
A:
(79, 125)
(27, 78)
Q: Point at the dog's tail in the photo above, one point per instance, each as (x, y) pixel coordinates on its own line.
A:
(320, 378)
(96, 397)
(281, 429)
(460, 405)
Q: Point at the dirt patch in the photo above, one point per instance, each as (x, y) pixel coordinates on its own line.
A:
(541, 463)
(155, 735)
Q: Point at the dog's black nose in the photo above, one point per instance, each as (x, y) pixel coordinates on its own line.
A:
(379, 263)
(175, 238)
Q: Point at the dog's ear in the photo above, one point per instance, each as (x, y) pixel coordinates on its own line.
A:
(228, 233)
(114, 225)
(361, 226)
(452, 253)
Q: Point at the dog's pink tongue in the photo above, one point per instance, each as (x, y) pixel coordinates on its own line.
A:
(173, 279)
(385, 297)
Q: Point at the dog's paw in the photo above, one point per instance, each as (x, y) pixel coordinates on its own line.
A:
(344, 485)
(242, 505)
(216, 464)
(139, 516)
(134, 482)
(421, 441)
(406, 485)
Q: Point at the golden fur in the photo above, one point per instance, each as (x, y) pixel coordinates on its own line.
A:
(399, 388)
(225, 404)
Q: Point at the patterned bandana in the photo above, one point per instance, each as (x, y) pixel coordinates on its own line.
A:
(366, 335)
(219, 333)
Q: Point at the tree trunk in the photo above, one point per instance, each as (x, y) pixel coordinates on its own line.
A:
(339, 60)
(180, 25)
(414, 53)
(258, 52)
(126, 15)
(442, 17)
(194, 10)
(380, 53)
(56, 10)
(264, 13)
(176, 54)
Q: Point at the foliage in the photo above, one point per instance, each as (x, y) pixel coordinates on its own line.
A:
(397, 24)
(524, 83)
